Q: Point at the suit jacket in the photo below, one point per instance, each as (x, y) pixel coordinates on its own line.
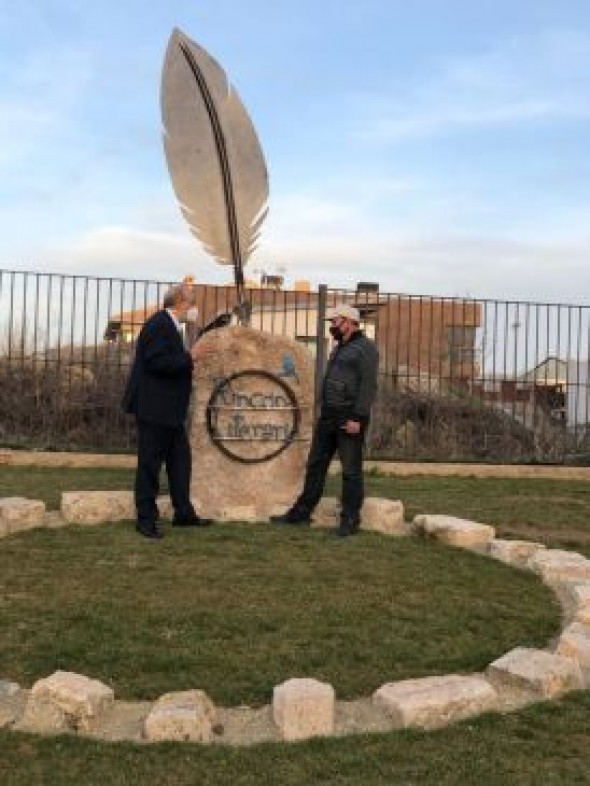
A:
(160, 382)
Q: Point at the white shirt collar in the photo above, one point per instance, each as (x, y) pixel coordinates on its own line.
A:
(174, 318)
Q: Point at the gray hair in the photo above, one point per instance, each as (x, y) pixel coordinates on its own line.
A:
(183, 293)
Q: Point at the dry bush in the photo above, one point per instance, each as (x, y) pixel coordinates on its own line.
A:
(427, 427)
(69, 399)
(66, 399)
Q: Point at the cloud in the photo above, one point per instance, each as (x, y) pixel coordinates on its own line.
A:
(456, 118)
(330, 242)
(127, 252)
(525, 79)
(472, 266)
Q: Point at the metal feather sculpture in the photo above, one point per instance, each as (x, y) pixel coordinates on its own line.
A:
(214, 157)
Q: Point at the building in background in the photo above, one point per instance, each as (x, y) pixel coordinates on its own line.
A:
(424, 343)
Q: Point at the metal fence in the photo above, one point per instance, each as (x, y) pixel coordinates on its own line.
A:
(460, 379)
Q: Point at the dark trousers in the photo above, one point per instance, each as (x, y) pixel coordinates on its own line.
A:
(157, 445)
(328, 438)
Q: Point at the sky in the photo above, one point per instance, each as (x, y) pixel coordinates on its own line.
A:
(437, 147)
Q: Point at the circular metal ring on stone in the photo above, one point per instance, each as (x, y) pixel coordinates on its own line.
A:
(212, 415)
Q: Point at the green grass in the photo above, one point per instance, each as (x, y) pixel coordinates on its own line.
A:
(554, 512)
(47, 483)
(236, 608)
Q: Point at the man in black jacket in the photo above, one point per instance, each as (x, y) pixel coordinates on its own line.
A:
(158, 394)
(348, 391)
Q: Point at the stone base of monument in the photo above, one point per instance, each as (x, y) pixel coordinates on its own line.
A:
(251, 424)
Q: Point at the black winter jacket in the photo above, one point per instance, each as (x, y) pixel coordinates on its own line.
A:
(350, 382)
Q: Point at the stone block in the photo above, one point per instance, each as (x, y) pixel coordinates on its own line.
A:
(435, 701)
(66, 701)
(18, 514)
(377, 515)
(165, 508)
(542, 673)
(182, 716)
(97, 507)
(239, 513)
(579, 593)
(42, 717)
(8, 716)
(303, 708)
(327, 512)
(384, 515)
(454, 531)
(554, 565)
(574, 597)
(514, 552)
(574, 642)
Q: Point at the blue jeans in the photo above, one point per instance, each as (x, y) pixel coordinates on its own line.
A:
(329, 438)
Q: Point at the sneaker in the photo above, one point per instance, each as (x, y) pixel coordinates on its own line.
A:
(292, 516)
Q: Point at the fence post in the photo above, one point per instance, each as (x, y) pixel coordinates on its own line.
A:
(320, 355)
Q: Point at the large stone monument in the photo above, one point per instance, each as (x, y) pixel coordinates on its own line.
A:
(253, 406)
(251, 424)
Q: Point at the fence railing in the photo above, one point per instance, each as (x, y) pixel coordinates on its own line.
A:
(461, 379)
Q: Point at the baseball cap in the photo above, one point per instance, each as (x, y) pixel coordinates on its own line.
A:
(345, 311)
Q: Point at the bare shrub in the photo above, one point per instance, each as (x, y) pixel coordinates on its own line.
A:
(65, 399)
(425, 427)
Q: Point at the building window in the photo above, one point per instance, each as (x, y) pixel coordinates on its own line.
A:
(461, 343)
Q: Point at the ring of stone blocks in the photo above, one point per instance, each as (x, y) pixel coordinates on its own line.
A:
(304, 707)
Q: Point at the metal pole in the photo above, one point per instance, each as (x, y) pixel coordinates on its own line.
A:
(320, 356)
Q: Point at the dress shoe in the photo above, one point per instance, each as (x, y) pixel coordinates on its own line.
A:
(149, 531)
(347, 528)
(193, 521)
(292, 517)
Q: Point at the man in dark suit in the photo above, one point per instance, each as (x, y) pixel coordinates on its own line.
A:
(158, 394)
